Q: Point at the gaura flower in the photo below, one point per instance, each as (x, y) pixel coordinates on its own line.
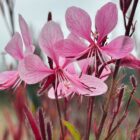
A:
(85, 67)
(32, 70)
(131, 61)
(15, 49)
(79, 23)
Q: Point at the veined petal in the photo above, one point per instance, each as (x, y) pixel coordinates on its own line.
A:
(106, 19)
(26, 35)
(15, 47)
(95, 86)
(50, 34)
(78, 22)
(68, 48)
(87, 85)
(7, 79)
(62, 91)
(77, 40)
(119, 47)
(32, 70)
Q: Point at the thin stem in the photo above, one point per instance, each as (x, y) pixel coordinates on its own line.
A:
(105, 110)
(7, 25)
(59, 112)
(12, 21)
(115, 113)
(91, 101)
(130, 22)
(117, 126)
(123, 117)
(89, 117)
(127, 32)
(134, 132)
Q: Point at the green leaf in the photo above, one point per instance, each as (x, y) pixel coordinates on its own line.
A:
(72, 130)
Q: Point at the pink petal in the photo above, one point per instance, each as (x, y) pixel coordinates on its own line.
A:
(87, 85)
(131, 62)
(85, 63)
(26, 35)
(68, 48)
(50, 34)
(7, 79)
(32, 70)
(15, 47)
(77, 40)
(96, 86)
(78, 22)
(119, 47)
(71, 68)
(62, 91)
(51, 93)
(106, 19)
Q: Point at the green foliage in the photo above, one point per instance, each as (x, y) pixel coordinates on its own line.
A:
(72, 130)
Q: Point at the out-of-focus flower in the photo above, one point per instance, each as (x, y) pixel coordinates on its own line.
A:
(15, 49)
(32, 70)
(131, 61)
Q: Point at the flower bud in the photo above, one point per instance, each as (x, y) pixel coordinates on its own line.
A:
(133, 81)
(124, 5)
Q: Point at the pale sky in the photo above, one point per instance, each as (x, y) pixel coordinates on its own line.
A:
(35, 13)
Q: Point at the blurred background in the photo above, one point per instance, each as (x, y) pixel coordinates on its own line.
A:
(35, 13)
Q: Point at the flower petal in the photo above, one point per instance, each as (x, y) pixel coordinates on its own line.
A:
(32, 70)
(106, 19)
(7, 79)
(50, 34)
(87, 85)
(131, 62)
(78, 22)
(68, 48)
(95, 86)
(62, 91)
(77, 40)
(85, 63)
(15, 47)
(26, 35)
(119, 47)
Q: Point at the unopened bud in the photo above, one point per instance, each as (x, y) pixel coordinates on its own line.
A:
(133, 81)
(125, 4)
(49, 16)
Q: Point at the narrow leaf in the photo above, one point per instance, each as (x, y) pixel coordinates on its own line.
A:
(72, 130)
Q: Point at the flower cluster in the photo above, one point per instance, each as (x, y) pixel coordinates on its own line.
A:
(76, 61)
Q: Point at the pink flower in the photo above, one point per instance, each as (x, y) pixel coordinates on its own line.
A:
(8, 79)
(79, 23)
(131, 61)
(32, 70)
(85, 67)
(15, 49)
